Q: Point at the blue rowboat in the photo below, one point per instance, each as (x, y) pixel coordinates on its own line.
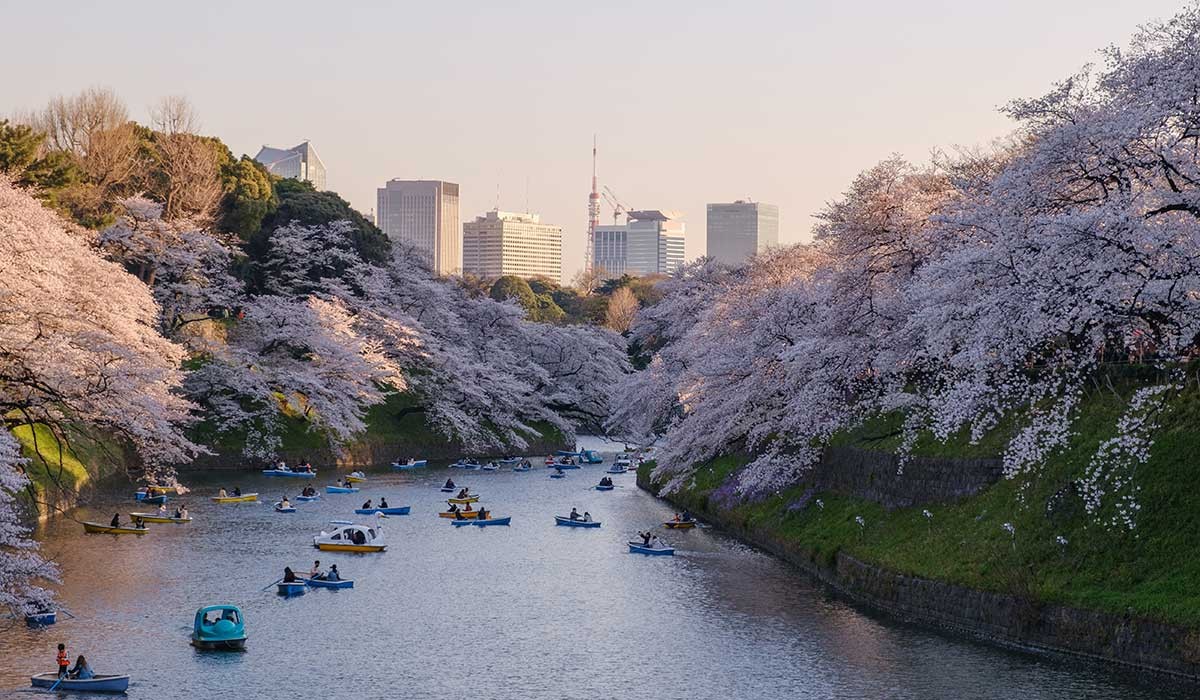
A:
(560, 520)
(639, 548)
(308, 498)
(414, 464)
(219, 627)
(563, 466)
(341, 489)
(322, 583)
(484, 523)
(291, 588)
(400, 510)
(452, 489)
(289, 472)
(98, 684)
(523, 469)
(565, 453)
(41, 619)
(602, 487)
(510, 460)
(556, 475)
(617, 470)
(289, 509)
(154, 499)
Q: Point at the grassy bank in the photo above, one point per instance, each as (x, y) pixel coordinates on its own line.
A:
(1151, 572)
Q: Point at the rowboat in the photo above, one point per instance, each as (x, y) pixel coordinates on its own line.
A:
(450, 489)
(465, 465)
(99, 529)
(41, 619)
(565, 453)
(154, 499)
(465, 513)
(485, 523)
(680, 524)
(614, 469)
(461, 501)
(622, 462)
(219, 627)
(156, 518)
(289, 472)
(560, 465)
(324, 583)
(399, 510)
(244, 498)
(639, 548)
(351, 538)
(509, 460)
(341, 489)
(308, 498)
(410, 464)
(97, 684)
(291, 588)
(557, 475)
(602, 487)
(523, 468)
(560, 520)
(280, 509)
(356, 478)
(491, 467)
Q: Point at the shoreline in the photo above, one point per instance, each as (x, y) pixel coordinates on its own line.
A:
(1155, 651)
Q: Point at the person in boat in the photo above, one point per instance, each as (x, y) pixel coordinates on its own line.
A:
(467, 507)
(483, 514)
(676, 517)
(64, 661)
(449, 484)
(645, 537)
(237, 490)
(315, 571)
(383, 502)
(285, 503)
(282, 466)
(162, 508)
(463, 493)
(82, 670)
(116, 521)
(333, 574)
(574, 514)
(289, 576)
(367, 505)
(137, 523)
(181, 513)
(687, 517)
(358, 537)
(222, 494)
(656, 543)
(587, 517)
(458, 514)
(453, 508)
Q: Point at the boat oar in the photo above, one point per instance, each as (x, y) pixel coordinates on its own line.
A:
(278, 580)
(60, 680)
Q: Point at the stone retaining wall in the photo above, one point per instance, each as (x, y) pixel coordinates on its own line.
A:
(877, 476)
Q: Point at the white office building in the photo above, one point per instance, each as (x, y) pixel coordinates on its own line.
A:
(741, 229)
(651, 242)
(299, 162)
(424, 215)
(506, 243)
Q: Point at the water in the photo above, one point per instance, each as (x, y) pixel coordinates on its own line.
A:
(528, 611)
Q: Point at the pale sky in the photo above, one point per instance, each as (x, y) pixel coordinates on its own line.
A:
(693, 102)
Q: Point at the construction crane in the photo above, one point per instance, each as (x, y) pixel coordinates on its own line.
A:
(614, 202)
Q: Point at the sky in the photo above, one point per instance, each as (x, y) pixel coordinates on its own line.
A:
(691, 102)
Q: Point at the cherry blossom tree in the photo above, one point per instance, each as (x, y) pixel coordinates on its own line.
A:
(22, 569)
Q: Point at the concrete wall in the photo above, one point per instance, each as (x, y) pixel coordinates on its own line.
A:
(876, 476)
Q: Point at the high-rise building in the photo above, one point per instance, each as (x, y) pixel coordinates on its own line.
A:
(741, 229)
(652, 241)
(298, 162)
(504, 243)
(423, 214)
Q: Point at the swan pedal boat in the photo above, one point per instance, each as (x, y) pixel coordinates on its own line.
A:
(398, 510)
(468, 514)
(219, 627)
(484, 523)
(98, 684)
(463, 501)
(341, 489)
(639, 548)
(100, 529)
(308, 498)
(325, 583)
(602, 487)
(341, 539)
(156, 518)
(561, 520)
(679, 524)
(244, 498)
(289, 472)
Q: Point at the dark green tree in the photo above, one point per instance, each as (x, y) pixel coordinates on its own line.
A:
(22, 159)
(300, 202)
(249, 197)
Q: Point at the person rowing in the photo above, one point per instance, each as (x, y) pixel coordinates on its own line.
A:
(289, 576)
(463, 493)
(139, 524)
(315, 571)
(483, 514)
(449, 484)
(574, 514)
(237, 491)
(383, 502)
(162, 509)
(116, 521)
(181, 513)
(222, 494)
(285, 503)
(458, 514)
(645, 537)
(453, 508)
(367, 505)
(687, 517)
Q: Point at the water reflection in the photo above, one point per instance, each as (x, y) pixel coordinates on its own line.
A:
(529, 611)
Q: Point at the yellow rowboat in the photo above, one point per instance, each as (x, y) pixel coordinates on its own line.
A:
(356, 479)
(679, 524)
(244, 498)
(97, 528)
(166, 489)
(156, 518)
(334, 547)
(461, 501)
(468, 514)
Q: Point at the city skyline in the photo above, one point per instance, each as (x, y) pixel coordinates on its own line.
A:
(719, 107)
